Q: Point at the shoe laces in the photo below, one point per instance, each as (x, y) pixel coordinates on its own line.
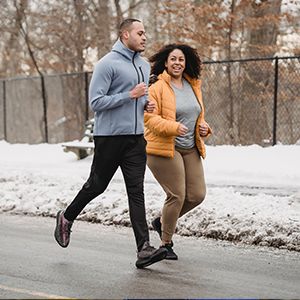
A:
(66, 226)
(148, 247)
(169, 246)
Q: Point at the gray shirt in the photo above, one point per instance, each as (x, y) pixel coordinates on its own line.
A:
(187, 112)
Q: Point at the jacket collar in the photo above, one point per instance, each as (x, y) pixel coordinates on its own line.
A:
(120, 48)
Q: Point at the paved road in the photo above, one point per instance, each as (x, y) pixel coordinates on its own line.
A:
(100, 264)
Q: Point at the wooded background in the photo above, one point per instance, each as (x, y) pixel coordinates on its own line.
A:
(246, 101)
(39, 37)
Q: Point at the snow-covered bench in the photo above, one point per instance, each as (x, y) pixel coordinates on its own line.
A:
(84, 147)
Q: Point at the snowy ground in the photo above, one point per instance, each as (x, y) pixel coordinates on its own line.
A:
(253, 193)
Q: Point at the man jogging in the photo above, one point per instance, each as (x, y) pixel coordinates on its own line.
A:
(118, 96)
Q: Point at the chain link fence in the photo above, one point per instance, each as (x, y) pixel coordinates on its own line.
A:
(254, 101)
(49, 109)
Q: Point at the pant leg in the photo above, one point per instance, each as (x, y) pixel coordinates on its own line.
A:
(133, 167)
(170, 174)
(195, 181)
(105, 163)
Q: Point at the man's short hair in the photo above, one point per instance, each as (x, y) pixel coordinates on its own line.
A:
(126, 25)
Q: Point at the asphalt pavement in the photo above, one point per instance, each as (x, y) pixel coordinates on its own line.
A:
(100, 264)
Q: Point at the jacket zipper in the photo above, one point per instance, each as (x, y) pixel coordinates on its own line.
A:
(143, 79)
(136, 99)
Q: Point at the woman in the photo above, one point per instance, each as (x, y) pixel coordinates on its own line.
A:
(173, 133)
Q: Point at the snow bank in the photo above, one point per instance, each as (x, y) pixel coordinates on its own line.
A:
(253, 193)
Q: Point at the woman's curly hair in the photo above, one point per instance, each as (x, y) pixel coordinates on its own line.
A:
(193, 65)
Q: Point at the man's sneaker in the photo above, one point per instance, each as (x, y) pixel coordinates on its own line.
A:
(157, 226)
(149, 255)
(171, 254)
(63, 229)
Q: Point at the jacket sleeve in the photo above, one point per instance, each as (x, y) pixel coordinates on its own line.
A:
(154, 121)
(99, 86)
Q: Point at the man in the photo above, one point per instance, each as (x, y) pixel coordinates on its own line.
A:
(118, 96)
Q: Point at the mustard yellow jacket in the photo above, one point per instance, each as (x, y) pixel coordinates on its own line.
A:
(161, 126)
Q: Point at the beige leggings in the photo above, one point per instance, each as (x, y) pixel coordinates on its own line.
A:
(182, 178)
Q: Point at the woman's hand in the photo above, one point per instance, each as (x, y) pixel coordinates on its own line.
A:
(182, 130)
(203, 129)
(150, 106)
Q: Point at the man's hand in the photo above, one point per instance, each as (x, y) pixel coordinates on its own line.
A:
(182, 130)
(139, 90)
(203, 129)
(150, 105)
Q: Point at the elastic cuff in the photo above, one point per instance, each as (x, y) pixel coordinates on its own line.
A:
(126, 97)
(166, 237)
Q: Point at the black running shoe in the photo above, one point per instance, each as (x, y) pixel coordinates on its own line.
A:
(171, 254)
(157, 226)
(149, 255)
(63, 229)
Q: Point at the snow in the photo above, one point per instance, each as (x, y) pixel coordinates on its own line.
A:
(253, 193)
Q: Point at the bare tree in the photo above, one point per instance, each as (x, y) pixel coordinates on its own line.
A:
(21, 23)
(262, 37)
(100, 13)
(263, 33)
(11, 42)
(70, 35)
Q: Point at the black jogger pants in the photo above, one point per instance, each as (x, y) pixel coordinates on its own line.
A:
(127, 152)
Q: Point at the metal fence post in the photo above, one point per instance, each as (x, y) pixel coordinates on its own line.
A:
(86, 96)
(4, 110)
(45, 108)
(275, 101)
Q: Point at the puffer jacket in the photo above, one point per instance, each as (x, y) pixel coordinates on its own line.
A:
(161, 126)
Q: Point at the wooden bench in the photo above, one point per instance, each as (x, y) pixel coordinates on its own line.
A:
(84, 147)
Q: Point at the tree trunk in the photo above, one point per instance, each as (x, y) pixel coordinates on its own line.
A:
(266, 34)
(259, 76)
(104, 44)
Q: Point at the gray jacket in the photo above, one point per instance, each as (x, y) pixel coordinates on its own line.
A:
(114, 75)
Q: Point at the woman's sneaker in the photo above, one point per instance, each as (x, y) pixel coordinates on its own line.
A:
(63, 229)
(171, 254)
(157, 226)
(149, 255)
